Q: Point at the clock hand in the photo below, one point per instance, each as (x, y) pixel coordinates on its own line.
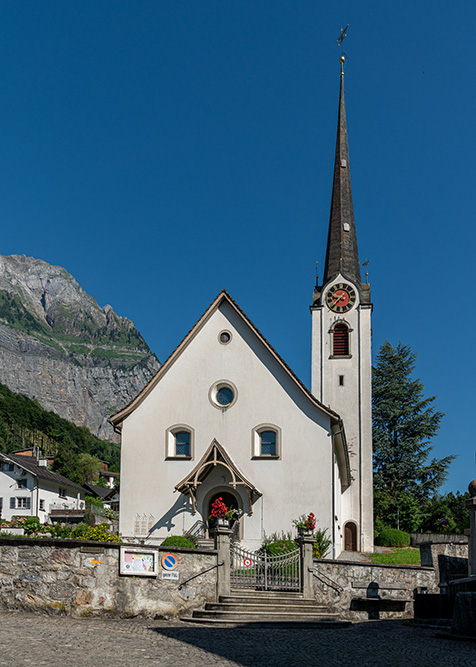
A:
(338, 298)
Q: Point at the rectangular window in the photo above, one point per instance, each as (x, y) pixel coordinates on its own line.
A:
(341, 380)
(22, 484)
(42, 505)
(22, 503)
(268, 443)
(182, 443)
(7, 467)
(62, 492)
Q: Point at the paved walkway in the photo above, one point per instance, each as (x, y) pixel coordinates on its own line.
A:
(33, 640)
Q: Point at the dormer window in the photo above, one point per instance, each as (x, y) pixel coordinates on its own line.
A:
(340, 340)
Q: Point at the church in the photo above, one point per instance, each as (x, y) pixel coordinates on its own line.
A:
(226, 417)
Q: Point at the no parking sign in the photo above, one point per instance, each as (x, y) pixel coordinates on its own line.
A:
(247, 562)
(169, 561)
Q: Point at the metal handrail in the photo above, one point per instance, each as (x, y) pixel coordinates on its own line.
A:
(198, 529)
(199, 574)
(322, 577)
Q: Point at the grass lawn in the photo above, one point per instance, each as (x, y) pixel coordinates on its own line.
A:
(404, 556)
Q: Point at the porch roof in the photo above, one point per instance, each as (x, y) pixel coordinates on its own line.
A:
(215, 455)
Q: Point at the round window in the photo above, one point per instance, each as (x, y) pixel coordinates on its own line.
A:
(224, 337)
(223, 394)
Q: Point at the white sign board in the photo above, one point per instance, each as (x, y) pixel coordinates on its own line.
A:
(139, 562)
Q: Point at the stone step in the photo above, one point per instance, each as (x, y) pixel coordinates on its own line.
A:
(266, 595)
(250, 616)
(266, 608)
(265, 600)
(307, 623)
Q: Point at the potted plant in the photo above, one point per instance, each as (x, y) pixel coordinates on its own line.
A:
(221, 515)
(305, 524)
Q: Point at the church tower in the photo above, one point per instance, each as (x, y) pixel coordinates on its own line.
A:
(341, 349)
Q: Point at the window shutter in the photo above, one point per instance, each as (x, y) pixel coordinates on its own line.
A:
(12, 503)
(28, 503)
(340, 340)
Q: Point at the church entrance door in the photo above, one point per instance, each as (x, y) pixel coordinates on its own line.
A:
(350, 536)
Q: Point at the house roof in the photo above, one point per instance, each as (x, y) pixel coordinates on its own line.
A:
(30, 464)
(117, 418)
(99, 491)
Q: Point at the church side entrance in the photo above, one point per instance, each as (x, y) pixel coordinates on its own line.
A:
(350, 536)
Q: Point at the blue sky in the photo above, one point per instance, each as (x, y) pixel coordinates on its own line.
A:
(161, 151)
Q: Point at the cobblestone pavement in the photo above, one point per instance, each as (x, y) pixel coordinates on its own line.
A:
(31, 639)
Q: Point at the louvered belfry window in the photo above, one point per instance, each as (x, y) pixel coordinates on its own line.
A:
(340, 340)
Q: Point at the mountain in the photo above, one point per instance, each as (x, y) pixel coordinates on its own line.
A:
(57, 345)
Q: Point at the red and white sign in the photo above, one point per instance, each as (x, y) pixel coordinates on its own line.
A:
(247, 562)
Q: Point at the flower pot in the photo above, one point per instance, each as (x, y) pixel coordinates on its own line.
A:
(305, 532)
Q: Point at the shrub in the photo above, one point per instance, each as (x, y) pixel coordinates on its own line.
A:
(279, 547)
(391, 537)
(95, 502)
(99, 533)
(178, 541)
(322, 544)
(89, 518)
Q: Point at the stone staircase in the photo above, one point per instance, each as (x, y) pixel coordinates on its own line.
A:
(262, 608)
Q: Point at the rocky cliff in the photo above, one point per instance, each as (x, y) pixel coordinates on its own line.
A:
(58, 346)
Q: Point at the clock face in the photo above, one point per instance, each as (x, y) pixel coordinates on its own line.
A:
(341, 298)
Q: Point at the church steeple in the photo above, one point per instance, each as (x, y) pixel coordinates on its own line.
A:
(342, 255)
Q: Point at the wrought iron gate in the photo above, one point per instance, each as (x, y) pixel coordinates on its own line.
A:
(259, 570)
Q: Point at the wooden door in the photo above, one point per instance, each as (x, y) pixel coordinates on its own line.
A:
(350, 536)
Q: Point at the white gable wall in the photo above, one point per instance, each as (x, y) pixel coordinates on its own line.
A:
(300, 482)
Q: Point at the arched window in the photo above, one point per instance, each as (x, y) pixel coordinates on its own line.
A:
(340, 340)
(266, 442)
(179, 442)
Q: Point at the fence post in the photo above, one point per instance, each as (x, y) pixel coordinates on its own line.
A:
(222, 545)
(305, 544)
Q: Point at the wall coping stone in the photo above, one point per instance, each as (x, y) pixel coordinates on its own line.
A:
(457, 542)
(366, 564)
(56, 541)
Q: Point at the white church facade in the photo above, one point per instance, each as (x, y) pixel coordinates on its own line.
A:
(225, 416)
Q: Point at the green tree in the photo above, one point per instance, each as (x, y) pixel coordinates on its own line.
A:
(88, 468)
(404, 423)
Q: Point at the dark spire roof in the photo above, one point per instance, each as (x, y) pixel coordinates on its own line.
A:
(342, 255)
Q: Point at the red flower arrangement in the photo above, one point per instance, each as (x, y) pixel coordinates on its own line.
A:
(219, 509)
(305, 522)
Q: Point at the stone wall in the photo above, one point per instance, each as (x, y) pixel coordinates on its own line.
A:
(418, 538)
(449, 559)
(359, 591)
(81, 578)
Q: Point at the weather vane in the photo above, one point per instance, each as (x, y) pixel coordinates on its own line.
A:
(342, 36)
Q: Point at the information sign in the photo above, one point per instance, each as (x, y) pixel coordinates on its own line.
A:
(139, 562)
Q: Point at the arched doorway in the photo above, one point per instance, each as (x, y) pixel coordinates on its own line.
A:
(350, 536)
(230, 500)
